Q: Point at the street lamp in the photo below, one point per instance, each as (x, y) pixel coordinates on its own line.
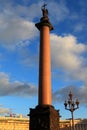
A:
(71, 106)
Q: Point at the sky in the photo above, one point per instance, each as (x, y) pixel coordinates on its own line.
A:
(19, 54)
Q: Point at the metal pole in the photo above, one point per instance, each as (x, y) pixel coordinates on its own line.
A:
(73, 128)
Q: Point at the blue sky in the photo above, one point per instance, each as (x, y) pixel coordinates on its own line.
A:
(19, 52)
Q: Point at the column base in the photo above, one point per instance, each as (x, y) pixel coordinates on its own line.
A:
(44, 117)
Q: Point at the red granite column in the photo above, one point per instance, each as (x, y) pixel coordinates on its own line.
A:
(44, 68)
(44, 97)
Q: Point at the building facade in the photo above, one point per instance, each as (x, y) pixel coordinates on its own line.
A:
(14, 123)
(79, 124)
(22, 123)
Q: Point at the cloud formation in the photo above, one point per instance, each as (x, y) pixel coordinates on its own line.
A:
(15, 88)
(15, 30)
(78, 93)
(68, 57)
(4, 110)
(16, 24)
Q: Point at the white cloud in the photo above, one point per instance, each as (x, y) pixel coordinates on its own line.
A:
(67, 54)
(15, 88)
(16, 29)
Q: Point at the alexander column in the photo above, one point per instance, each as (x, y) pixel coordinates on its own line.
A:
(44, 116)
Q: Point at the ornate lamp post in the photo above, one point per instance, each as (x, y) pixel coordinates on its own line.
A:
(71, 106)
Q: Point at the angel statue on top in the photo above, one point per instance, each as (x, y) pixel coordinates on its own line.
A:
(44, 10)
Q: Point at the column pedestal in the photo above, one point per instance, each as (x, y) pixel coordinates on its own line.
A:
(44, 117)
